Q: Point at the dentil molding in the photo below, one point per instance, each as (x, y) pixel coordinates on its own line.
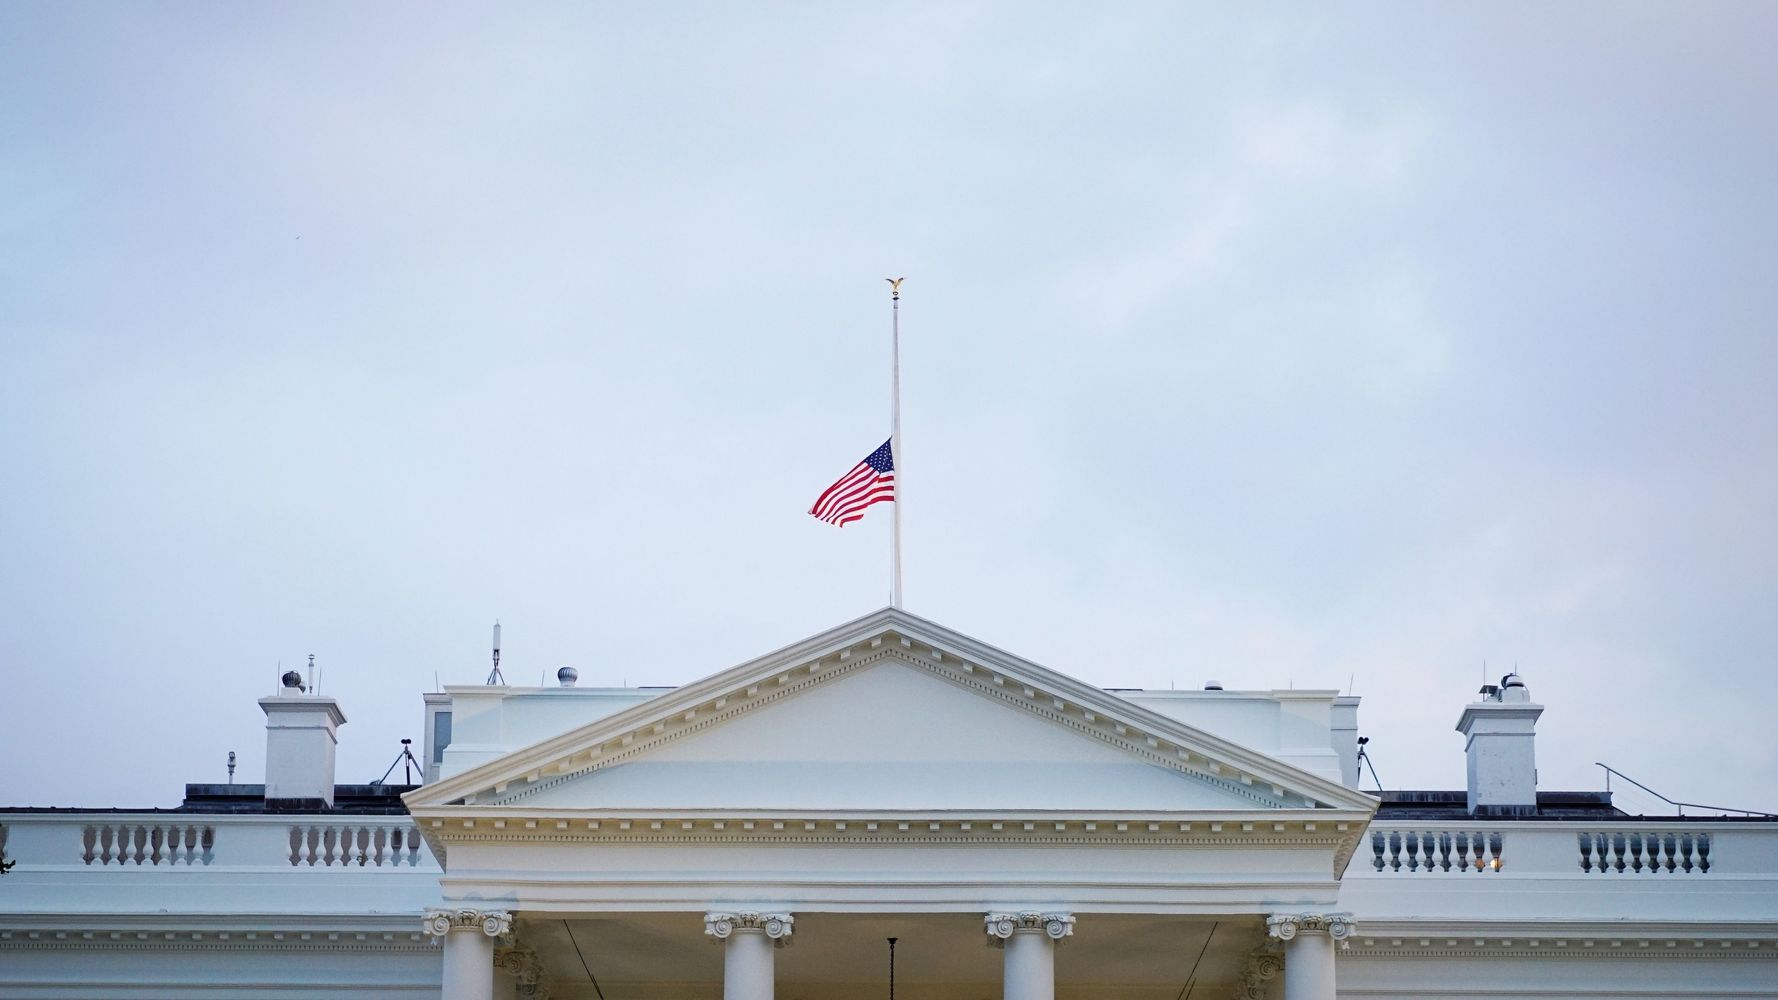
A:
(493, 923)
(1001, 926)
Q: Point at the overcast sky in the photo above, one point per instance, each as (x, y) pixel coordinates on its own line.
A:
(1279, 346)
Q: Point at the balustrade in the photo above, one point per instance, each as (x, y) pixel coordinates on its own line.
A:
(1436, 850)
(348, 844)
(1646, 853)
(148, 843)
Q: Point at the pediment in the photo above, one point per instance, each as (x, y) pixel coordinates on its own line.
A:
(889, 713)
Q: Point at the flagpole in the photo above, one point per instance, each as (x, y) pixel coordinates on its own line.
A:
(895, 433)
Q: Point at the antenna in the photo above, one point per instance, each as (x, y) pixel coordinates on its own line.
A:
(231, 767)
(1365, 759)
(312, 673)
(494, 675)
(408, 765)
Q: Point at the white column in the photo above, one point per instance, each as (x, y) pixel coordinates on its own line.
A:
(749, 965)
(468, 949)
(1029, 938)
(1309, 940)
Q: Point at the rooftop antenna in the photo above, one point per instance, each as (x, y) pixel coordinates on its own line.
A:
(408, 765)
(494, 675)
(312, 673)
(1365, 759)
(231, 767)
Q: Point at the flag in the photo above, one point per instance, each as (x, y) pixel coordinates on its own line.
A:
(870, 481)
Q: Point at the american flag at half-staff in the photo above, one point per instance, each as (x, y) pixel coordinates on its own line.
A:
(869, 482)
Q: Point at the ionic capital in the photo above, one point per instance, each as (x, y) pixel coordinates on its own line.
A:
(1001, 926)
(493, 923)
(776, 926)
(1285, 926)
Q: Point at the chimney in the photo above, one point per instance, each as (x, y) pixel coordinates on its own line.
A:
(301, 731)
(1500, 734)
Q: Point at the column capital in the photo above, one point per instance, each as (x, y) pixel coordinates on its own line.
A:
(1285, 926)
(438, 922)
(719, 924)
(1002, 925)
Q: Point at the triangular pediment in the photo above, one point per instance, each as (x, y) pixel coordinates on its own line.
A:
(889, 713)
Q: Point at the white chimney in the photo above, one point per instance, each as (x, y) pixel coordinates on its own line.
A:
(301, 731)
(1500, 731)
(1343, 731)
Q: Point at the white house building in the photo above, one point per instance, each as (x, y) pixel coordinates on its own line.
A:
(769, 830)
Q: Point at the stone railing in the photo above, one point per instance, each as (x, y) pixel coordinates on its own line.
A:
(160, 843)
(199, 841)
(360, 845)
(1631, 847)
(1644, 852)
(1413, 850)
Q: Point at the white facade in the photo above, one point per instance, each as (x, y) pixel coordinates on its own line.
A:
(1019, 833)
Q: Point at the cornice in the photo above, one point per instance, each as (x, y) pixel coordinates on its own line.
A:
(1295, 829)
(1565, 940)
(948, 655)
(108, 938)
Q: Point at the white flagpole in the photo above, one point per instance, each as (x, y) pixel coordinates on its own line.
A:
(895, 432)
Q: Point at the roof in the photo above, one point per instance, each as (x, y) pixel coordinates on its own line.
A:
(1551, 806)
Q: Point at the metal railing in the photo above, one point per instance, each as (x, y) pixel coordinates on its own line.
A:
(1681, 806)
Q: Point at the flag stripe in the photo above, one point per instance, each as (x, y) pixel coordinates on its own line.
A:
(861, 469)
(862, 475)
(841, 512)
(870, 482)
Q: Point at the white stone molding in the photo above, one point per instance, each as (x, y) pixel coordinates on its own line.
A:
(521, 960)
(1285, 926)
(1262, 966)
(1086, 710)
(719, 924)
(440, 922)
(1003, 925)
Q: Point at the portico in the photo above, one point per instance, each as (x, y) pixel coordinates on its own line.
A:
(762, 832)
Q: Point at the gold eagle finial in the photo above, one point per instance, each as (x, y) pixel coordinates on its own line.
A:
(895, 286)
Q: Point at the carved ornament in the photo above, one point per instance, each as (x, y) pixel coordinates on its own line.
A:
(1001, 926)
(776, 926)
(440, 922)
(1285, 926)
